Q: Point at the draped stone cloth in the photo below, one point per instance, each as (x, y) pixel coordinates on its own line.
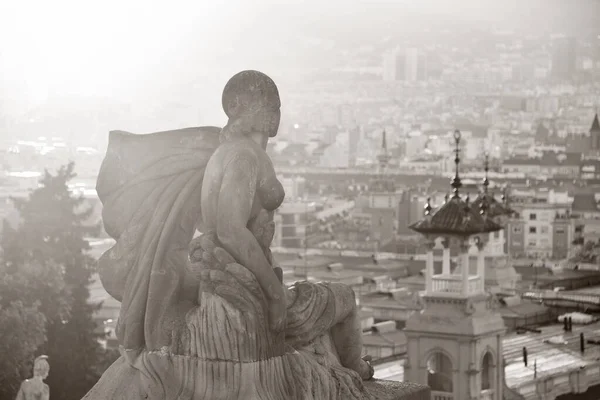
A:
(150, 188)
(146, 184)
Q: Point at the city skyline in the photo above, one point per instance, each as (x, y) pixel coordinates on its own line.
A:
(130, 53)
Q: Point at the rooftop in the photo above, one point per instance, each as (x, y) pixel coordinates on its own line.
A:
(549, 358)
(455, 217)
(522, 310)
(547, 159)
(584, 202)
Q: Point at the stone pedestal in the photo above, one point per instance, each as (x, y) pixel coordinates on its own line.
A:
(121, 382)
(390, 390)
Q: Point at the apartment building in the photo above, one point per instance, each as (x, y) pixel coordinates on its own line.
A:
(541, 227)
(585, 217)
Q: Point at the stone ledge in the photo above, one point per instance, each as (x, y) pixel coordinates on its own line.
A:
(391, 390)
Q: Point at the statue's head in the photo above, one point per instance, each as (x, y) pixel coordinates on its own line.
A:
(41, 367)
(251, 101)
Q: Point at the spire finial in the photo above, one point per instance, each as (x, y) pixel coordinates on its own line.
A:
(595, 124)
(446, 197)
(505, 195)
(428, 207)
(383, 142)
(483, 207)
(467, 203)
(486, 181)
(456, 183)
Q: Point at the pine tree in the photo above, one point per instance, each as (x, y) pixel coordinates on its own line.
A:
(52, 234)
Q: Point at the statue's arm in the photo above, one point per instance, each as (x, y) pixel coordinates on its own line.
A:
(46, 392)
(20, 395)
(236, 196)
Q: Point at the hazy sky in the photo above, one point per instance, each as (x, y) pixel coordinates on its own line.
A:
(117, 47)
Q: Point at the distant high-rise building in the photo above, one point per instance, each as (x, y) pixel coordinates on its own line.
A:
(393, 65)
(564, 58)
(389, 66)
(416, 65)
(405, 65)
(353, 139)
(412, 65)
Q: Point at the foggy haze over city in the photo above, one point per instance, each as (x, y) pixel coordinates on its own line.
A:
(138, 56)
(319, 199)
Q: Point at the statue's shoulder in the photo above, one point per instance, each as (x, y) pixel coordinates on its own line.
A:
(239, 155)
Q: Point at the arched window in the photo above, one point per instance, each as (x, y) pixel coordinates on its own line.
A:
(487, 368)
(439, 373)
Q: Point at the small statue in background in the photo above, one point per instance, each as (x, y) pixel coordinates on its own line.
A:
(35, 388)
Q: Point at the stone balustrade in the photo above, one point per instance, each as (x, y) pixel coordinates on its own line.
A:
(452, 284)
(441, 396)
(485, 395)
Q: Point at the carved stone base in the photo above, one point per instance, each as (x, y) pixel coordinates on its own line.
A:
(122, 382)
(225, 351)
(390, 390)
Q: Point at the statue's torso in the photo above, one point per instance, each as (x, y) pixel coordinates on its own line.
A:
(33, 390)
(268, 196)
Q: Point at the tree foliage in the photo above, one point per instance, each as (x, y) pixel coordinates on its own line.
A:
(44, 277)
(21, 333)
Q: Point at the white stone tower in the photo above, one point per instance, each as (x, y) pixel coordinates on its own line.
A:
(455, 342)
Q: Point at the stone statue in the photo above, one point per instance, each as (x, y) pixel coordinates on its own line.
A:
(35, 388)
(209, 317)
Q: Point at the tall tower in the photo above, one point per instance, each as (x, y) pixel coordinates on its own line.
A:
(383, 157)
(455, 343)
(595, 134)
(383, 201)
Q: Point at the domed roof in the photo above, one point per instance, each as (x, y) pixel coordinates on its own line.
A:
(456, 216)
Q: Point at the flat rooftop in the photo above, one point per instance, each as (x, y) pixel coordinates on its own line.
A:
(550, 358)
(377, 299)
(587, 290)
(522, 310)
